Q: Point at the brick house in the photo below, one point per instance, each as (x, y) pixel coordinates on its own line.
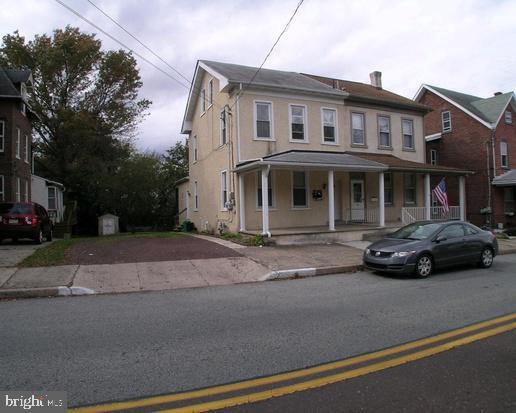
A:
(479, 134)
(15, 136)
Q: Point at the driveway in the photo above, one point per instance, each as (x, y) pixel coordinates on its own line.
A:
(11, 254)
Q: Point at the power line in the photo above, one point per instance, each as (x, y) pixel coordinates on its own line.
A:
(268, 54)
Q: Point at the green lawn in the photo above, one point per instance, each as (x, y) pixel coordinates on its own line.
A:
(54, 254)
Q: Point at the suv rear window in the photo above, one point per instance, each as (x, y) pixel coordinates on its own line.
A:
(15, 209)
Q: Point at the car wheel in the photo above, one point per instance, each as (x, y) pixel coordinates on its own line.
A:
(424, 266)
(486, 257)
(50, 235)
(39, 237)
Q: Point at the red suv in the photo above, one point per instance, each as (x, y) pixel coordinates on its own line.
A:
(24, 220)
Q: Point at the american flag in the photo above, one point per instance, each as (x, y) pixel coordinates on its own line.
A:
(442, 196)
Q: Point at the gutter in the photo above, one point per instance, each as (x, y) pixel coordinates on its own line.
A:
(340, 167)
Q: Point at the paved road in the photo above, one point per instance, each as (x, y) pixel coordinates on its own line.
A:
(102, 348)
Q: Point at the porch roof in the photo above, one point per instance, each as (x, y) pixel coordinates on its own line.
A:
(314, 159)
(507, 179)
(346, 161)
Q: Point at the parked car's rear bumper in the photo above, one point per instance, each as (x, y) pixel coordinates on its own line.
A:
(21, 231)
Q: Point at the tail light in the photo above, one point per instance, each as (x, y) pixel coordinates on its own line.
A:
(31, 220)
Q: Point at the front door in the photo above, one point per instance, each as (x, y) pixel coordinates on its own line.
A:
(357, 200)
(338, 201)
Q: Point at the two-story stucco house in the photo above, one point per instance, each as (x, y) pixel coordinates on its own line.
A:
(291, 153)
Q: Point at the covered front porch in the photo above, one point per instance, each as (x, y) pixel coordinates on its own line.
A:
(300, 193)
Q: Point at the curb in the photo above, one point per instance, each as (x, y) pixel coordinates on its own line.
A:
(309, 272)
(61, 291)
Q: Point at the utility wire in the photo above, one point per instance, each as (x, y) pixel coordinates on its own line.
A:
(239, 95)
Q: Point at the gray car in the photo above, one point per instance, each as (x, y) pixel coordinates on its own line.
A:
(421, 247)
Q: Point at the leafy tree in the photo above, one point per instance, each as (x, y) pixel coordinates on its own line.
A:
(87, 107)
(174, 166)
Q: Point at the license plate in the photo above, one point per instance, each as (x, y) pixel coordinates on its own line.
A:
(13, 221)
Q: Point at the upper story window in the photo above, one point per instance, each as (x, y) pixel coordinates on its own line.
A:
(23, 109)
(270, 192)
(433, 156)
(52, 195)
(23, 91)
(388, 188)
(508, 117)
(223, 127)
(329, 125)
(194, 148)
(299, 189)
(504, 155)
(18, 143)
(384, 131)
(407, 126)
(210, 92)
(203, 101)
(2, 135)
(297, 123)
(446, 121)
(263, 120)
(357, 129)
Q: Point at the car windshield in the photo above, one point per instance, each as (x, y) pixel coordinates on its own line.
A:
(15, 209)
(416, 231)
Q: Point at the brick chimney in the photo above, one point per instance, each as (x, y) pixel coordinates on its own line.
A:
(376, 79)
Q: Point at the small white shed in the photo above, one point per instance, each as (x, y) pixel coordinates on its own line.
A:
(108, 224)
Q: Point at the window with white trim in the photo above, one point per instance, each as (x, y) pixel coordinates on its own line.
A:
(223, 190)
(26, 149)
(433, 156)
(446, 121)
(388, 188)
(409, 189)
(194, 148)
(358, 129)
(210, 92)
(18, 143)
(508, 117)
(18, 189)
(203, 101)
(263, 120)
(196, 196)
(297, 123)
(2, 188)
(508, 199)
(26, 190)
(329, 125)
(504, 155)
(299, 189)
(407, 126)
(270, 192)
(2, 134)
(52, 195)
(384, 131)
(223, 127)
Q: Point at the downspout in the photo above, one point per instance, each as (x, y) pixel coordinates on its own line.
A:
(490, 188)
(238, 125)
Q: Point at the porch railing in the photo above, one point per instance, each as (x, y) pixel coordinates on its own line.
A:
(361, 215)
(413, 214)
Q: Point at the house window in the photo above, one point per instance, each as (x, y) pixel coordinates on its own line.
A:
(508, 197)
(407, 126)
(23, 109)
(194, 147)
(259, 190)
(223, 129)
(18, 143)
(52, 204)
(196, 197)
(508, 117)
(263, 117)
(210, 92)
(446, 121)
(2, 134)
(26, 190)
(203, 101)
(384, 131)
(1, 188)
(297, 123)
(26, 151)
(433, 156)
(329, 125)
(357, 129)
(388, 186)
(223, 190)
(504, 155)
(299, 189)
(409, 188)
(18, 188)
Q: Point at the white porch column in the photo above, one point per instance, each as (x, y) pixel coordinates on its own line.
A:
(381, 200)
(265, 202)
(427, 197)
(241, 201)
(331, 202)
(462, 197)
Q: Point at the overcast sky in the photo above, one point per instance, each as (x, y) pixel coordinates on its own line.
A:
(466, 45)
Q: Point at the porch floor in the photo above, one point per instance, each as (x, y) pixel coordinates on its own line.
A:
(323, 229)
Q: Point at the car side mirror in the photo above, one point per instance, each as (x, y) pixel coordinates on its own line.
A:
(440, 238)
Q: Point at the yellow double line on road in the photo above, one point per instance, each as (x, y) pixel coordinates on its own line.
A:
(490, 328)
